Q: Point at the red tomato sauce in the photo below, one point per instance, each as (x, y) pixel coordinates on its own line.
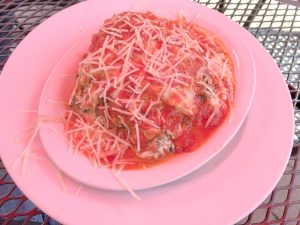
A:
(148, 90)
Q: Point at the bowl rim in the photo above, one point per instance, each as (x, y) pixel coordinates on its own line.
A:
(152, 177)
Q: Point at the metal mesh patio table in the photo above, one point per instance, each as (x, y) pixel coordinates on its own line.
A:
(276, 24)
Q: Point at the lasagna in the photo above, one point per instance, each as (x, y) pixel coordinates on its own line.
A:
(148, 89)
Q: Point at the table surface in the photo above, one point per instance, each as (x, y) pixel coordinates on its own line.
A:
(276, 24)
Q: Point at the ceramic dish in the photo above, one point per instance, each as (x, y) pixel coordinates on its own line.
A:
(61, 81)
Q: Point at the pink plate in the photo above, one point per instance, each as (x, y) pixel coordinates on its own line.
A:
(223, 191)
(62, 80)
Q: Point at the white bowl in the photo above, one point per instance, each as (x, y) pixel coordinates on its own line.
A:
(79, 167)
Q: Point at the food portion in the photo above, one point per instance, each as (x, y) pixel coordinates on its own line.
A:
(148, 89)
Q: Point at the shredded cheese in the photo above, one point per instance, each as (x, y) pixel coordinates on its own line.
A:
(137, 66)
(137, 137)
